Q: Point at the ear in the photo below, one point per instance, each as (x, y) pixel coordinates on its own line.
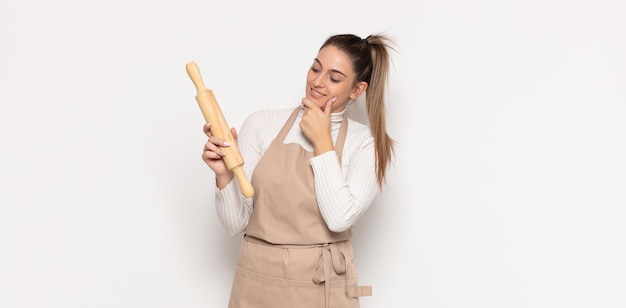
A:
(358, 89)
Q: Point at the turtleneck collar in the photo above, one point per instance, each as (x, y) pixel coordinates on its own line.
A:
(337, 117)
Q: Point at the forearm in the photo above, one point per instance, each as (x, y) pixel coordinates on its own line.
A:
(343, 200)
(233, 211)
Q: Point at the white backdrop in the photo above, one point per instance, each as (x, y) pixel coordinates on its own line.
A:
(508, 188)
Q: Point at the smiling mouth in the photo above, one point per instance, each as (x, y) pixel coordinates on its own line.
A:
(316, 93)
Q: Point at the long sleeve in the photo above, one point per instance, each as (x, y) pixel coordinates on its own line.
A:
(233, 209)
(345, 193)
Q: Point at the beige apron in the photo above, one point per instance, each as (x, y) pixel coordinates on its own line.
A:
(288, 257)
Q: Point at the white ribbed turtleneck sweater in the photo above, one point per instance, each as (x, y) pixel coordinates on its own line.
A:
(343, 192)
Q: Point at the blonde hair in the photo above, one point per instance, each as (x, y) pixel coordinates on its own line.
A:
(370, 61)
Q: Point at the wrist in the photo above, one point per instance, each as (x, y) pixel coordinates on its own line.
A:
(223, 180)
(323, 146)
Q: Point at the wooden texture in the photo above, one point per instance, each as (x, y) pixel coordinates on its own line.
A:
(219, 127)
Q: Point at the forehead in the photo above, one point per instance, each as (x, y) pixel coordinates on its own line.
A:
(333, 58)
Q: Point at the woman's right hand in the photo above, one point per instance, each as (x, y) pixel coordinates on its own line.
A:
(213, 155)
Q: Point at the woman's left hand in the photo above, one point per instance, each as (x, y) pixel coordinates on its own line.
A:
(315, 125)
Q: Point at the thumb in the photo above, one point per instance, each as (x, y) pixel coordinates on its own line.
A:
(329, 105)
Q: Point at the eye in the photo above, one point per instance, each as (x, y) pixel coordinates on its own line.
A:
(316, 66)
(335, 78)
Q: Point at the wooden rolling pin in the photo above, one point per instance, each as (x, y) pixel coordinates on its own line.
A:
(213, 114)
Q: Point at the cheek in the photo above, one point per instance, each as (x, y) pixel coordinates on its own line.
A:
(341, 92)
(309, 77)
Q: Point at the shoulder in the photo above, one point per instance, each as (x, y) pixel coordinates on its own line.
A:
(262, 126)
(359, 134)
(265, 116)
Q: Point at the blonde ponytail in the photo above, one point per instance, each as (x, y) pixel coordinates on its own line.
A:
(370, 58)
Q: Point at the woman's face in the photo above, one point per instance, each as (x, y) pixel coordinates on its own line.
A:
(331, 75)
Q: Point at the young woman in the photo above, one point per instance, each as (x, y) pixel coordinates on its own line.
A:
(315, 172)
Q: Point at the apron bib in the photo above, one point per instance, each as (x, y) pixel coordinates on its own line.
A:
(289, 257)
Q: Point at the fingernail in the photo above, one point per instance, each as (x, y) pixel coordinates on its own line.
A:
(222, 153)
(226, 143)
(334, 99)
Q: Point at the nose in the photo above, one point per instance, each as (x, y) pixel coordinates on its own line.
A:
(317, 82)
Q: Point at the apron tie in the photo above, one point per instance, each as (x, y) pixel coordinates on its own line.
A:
(332, 257)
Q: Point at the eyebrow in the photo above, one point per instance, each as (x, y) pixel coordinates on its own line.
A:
(333, 70)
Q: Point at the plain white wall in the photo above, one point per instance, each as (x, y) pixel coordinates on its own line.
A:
(508, 189)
